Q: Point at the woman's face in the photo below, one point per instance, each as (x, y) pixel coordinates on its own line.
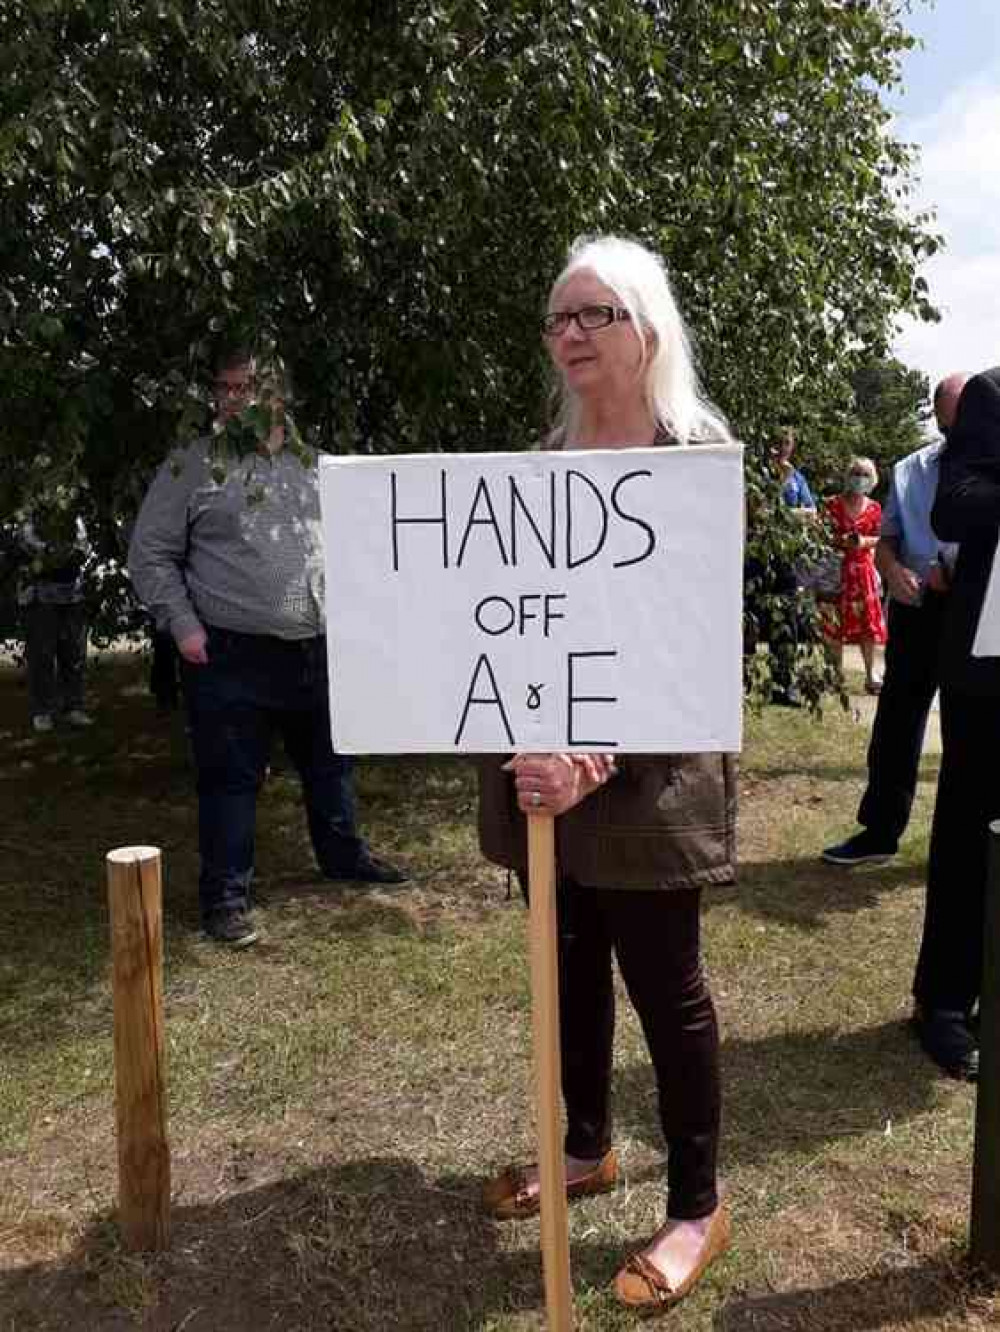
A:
(595, 362)
(784, 448)
(859, 481)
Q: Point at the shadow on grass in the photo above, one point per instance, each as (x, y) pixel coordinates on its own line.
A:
(932, 1289)
(794, 1093)
(69, 797)
(368, 1246)
(777, 771)
(805, 891)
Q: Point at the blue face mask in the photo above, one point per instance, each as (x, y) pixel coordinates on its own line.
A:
(859, 485)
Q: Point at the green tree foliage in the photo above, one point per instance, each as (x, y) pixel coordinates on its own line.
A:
(893, 406)
(385, 192)
(887, 415)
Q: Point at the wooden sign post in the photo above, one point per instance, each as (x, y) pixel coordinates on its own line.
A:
(985, 1224)
(135, 899)
(545, 1028)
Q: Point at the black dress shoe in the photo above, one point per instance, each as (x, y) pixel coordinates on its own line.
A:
(944, 1035)
(864, 848)
(367, 869)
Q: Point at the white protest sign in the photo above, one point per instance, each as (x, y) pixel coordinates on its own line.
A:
(483, 603)
(987, 640)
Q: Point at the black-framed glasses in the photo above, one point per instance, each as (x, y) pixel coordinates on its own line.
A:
(588, 318)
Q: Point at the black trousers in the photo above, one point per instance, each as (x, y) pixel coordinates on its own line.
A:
(912, 676)
(949, 968)
(164, 669)
(55, 641)
(655, 936)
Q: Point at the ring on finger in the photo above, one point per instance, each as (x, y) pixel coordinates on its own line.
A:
(536, 799)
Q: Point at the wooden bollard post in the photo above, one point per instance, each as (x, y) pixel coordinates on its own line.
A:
(984, 1238)
(545, 1028)
(135, 898)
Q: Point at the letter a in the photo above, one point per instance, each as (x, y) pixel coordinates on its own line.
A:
(492, 700)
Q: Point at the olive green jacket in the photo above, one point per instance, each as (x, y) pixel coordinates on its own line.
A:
(665, 821)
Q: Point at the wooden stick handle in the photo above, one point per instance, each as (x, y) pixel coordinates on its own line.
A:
(984, 1238)
(548, 1107)
(135, 898)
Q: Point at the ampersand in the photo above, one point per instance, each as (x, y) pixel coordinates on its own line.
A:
(535, 696)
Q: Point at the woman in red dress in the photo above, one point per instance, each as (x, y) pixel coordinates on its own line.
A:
(856, 615)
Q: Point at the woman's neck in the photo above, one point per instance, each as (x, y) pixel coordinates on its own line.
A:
(855, 503)
(609, 425)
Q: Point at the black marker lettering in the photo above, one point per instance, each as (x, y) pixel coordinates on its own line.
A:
(571, 563)
(500, 601)
(494, 700)
(525, 614)
(573, 699)
(482, 491)
(631, 518)
(517, 501)
(549, 614)
(398, 522)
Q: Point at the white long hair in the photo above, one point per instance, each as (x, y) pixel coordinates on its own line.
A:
(639, 280)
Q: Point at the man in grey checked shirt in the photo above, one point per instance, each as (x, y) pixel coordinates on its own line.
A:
(231, 561)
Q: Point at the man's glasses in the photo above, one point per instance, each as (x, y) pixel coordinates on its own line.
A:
(588, 318)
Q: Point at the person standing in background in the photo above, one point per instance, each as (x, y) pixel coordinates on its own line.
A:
(915, 566)
(780, 622)
(856, 616)
(54, 549)
(948, 975)
(795, 492)
(227, 554)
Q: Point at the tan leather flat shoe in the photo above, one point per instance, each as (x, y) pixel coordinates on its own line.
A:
(643, 1288)
(507, 1198)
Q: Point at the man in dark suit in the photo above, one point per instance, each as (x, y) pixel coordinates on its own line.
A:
(967, 511)
(915, 566)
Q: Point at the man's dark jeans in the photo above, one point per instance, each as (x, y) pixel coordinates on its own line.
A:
(55, 639)
(252, 686)
(912, 674)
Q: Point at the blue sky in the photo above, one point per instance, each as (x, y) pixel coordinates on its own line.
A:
(950, 107)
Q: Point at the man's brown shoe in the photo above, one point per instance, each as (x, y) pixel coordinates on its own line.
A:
(643, 1288)
(508, 1199)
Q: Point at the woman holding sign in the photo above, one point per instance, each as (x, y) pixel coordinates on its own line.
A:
(638, 837)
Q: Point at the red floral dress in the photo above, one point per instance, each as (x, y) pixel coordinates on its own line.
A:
(857, 614)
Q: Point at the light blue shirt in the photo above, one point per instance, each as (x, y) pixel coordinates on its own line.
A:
(796, 493)
(906, 518)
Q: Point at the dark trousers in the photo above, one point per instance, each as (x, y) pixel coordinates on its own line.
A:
(252, 686)
(912, 676)
(55, 641)
(164, 669)
(655, 936)
(949, 967)
(773, 615)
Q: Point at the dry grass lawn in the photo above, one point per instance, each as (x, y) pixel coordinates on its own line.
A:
(338, 1093)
